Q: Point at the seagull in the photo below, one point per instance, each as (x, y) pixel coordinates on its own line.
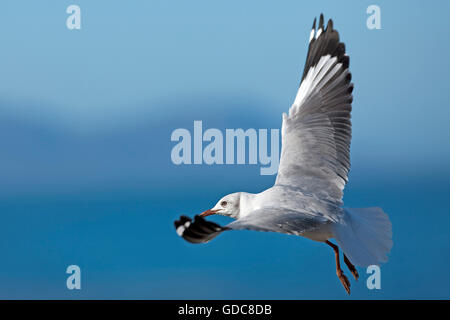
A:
(306, 199)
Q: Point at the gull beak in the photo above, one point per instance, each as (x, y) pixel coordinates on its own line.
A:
(209, 212)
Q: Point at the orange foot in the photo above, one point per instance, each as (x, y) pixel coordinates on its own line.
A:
(344, 280)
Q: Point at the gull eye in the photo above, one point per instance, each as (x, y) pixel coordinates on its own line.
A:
(223, 203)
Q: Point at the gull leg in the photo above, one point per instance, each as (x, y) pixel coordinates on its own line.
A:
(351, 267)
(339, 271)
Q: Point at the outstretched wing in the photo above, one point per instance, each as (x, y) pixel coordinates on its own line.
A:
(266, 219)
(315, 155)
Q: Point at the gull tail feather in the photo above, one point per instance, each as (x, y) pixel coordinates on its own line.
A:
(365, 235)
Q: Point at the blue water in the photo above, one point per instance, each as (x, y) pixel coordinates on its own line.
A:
(126, 247)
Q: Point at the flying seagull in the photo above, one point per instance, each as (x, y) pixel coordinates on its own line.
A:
(306, 199)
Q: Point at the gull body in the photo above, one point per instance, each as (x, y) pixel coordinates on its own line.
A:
(242, 206)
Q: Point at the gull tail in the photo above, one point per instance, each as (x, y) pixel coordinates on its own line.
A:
(365, 235)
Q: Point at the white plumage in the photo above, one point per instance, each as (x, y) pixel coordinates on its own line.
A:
(306, 199)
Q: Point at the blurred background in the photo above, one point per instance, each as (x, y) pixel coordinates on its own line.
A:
(86, 116)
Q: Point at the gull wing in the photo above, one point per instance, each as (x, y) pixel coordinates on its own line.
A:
(315, 154)
(278, 220)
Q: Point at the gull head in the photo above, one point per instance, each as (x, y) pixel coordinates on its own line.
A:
(227, 206)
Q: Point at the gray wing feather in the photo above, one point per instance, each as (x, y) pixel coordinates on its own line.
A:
(277, 220)
(199, 230)
(316, 135)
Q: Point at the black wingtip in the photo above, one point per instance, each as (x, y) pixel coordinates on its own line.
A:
(340, 50)
(321, 21)
(345, 61)
(349, 77)
(197, 230)
(324, 42)
(181, 221)
(350, 89)
(330, 25)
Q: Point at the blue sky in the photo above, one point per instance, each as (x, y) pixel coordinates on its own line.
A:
(86, 117)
